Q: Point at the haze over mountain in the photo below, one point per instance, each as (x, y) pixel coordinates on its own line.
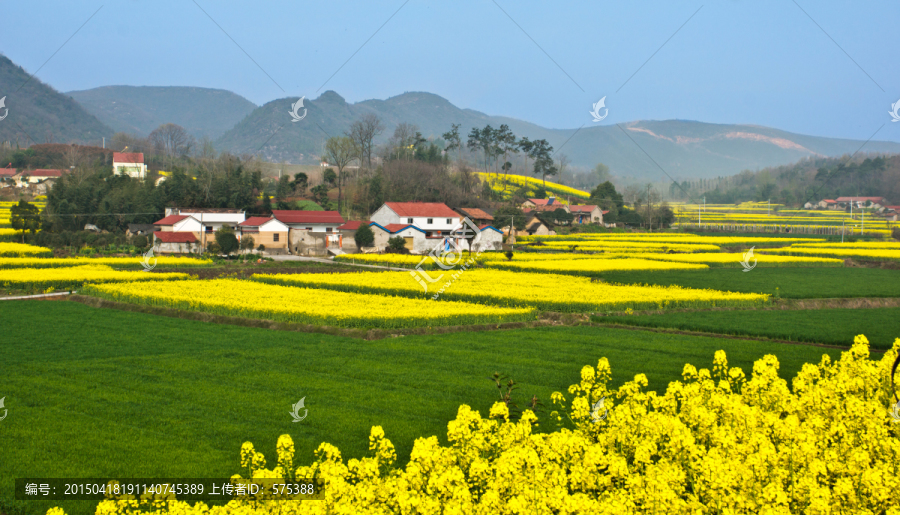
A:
(682, 148)
(37, 113)
(140, 109)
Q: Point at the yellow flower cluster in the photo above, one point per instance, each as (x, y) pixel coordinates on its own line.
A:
(729, 259)
(8, 233)
(507, 183)
(877, 245)
(620, 245)
(251, 299)
(408, 261)
(714, 442)
(557, 292)
(23, 250)
(128, 262)
(596, 266)
(656, 238)
(73, 277)
(859, 253)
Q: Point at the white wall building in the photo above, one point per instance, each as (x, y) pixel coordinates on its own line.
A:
(130, 164)
(434, 218)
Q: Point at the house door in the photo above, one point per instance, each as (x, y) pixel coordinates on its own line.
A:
(409, 242)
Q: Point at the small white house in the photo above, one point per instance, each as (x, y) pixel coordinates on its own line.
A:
(436, 219)
(130, 164)
(266, 231)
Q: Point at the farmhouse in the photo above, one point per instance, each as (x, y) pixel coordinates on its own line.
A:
(36, 176)
(589, 214)
(211, 220)
(828, 204)
(875, 202)
(266, 231)
(477, 216)
(175, 242)
(7, 173)
(130, 164)
(309, 231)
(532, 202)
(435, 219)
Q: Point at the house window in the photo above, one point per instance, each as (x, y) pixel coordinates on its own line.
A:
(209, 228)
(409, 220)
(328, 229)
(309, 228)
(275, 236)
(430, 221)
(448, 221)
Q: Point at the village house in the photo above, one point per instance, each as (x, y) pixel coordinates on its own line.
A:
(532, 202)
(433, 219)
(267, 231)
(535, 227)
(130, 164)
(211, 220)
(175, 242)
(874, 202)
(588, 213)
(828, 204)
(29, 177)
(311, 232)
(7, 173)
(477, 216)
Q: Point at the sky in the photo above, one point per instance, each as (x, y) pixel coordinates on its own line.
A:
(824, 68)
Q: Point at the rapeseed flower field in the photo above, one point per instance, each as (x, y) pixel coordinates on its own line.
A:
(593, 267)
(874, 254)
(127, 262)
(714, 442)
(729, 259)
(251, 299)
(503, 288)
(39, 279)
(23, 250)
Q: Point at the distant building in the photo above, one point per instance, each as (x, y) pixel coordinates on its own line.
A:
(532, 202)
(35, 176)
(435, 219)
(208, 220)
(7, 173)
(589, 214)
(168, 242)
(875, 202)
(478, 216)
(130, 164)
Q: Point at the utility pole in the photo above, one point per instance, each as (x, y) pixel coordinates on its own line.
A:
(649, 206)
(768, 207)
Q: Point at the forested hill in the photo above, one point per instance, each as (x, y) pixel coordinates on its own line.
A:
(682, 148)
(140, 109)
(38, 113)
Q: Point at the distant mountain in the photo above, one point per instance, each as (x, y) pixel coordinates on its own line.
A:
(140, 109)
(38, 113)
(682, 148)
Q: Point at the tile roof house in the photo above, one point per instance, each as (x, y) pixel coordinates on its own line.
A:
(434, 218)
(876, 201)
(478, 216)
(7, 173)
(169, 242)
(267, 231)
(589, 213)
(130, 164)
(315, 221)
(35, 176)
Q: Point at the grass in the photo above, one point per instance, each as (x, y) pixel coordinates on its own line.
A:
(98, 393)
(828, 326)
(791, 282)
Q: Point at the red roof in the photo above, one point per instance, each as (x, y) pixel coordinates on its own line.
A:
(353, 225)
(308, 217)
(432, 209)
(175, 237)
(582, 209)
(392, 228)
(7, 172)
(543, 201)
(478, 214)
(255, 221)
(42, 173)
(604, 212)
(170, 220)
(829, 201)
(128, 157)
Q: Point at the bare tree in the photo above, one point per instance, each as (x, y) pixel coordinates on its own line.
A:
(72, 155)
(171, 139)
(404, 136)
(363, 132)
(340, 151)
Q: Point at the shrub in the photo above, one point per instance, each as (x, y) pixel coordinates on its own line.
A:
(397, 244)
(226, 240)
(364, 236)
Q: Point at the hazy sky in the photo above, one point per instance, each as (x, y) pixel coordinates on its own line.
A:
(764, 62)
